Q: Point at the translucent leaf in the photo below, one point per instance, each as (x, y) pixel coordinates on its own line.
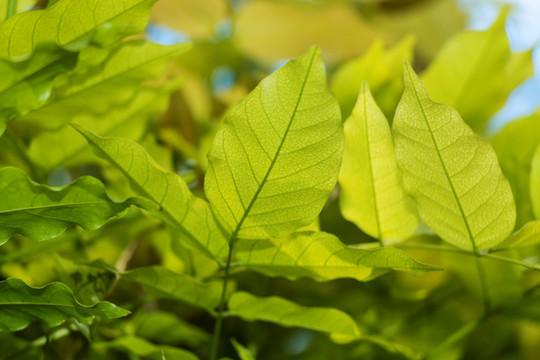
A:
(381, 68)
(452, 174)
(372, 196)
(286, 313)
(190, 214)
(275, 160)
(528, 235)
(109, 83)
(163, 283)
(53, 304)
(515, 145)
(476, 71)
(52, 149)
(322, 257)
(40, 212)
(535, 182)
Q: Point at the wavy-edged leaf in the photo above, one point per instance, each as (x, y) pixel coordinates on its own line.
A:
(321, 256)
(452, 174)
(40, 212)
(528, 235)
(381, 68)
(52, 149)
(143, 348)
(462, 75)
(372, 196)
(287, 313)
(53, 304)
(535, 182)
(164, 283)
(276, 158)
(190, 214)
(515, 145)
(109, 83)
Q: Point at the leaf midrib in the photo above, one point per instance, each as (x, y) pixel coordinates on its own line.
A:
(447, 175)
(234, 234)
(51, 206)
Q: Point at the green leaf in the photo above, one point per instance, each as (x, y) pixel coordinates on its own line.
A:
(164, 283)
(372, 196)
(535, 182)
(276, 158)
(140, 347)
(52, 149)
(322, 257)
(476, 71)
(109, 83)
(40, 212)
(242, 351)
(286, 313)
(515, 145)
(381, 68)
(190, 214)
(53, 304)
(452, 174)
(528, 235)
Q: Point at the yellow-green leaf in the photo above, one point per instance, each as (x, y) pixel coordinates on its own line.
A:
(528, 235)
(535, 182)
(372, 196)
(276, 158)
(452, 174)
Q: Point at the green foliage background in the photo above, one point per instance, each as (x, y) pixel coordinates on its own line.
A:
(130, 169)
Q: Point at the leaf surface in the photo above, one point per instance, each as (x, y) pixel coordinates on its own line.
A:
(287, 313)
(528, 235)
(453, 175)
(322, 257)
(40, 212)
(476, 71)
(53, 304)
(180, 207)
(143, 348)
(535, 182)
(276, 158)
(372, 196)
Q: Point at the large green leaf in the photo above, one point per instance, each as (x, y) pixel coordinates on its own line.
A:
(53, 304)
(177, 204)
(476, 71)
(110, 83)
(515, 145)
(286, 313)
(164, 283)
(535, 182)
(372, 196)
(452, 174)
(40, 212)
(276, 158)
(381, 68)
(52, 149)
(322, 257)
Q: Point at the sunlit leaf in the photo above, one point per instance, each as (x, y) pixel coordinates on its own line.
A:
(275, 159)
(535, 182)
(287, 313)
(452, 174)
(372, 196)
(242, 351)
(322, 257)
(476, 71)
(180, 207)
(528, 235)
(53, 304)
(40, 212)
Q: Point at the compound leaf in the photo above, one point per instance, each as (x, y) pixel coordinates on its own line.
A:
(40, 212)
(322, 257)
(275, 160)
(452, 174)
(372, 196)
(190, 214)
(287, 313)
(53, 304)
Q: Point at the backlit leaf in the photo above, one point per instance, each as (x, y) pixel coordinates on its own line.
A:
(40, 212)
(452, 174)
(372, 196)
(322, 257)
(535, 182)
(528, 235)
(275, 159)
(53, 304)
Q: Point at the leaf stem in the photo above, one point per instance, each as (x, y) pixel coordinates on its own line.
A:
(219, 320)
(456, 336)
(11, 8)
